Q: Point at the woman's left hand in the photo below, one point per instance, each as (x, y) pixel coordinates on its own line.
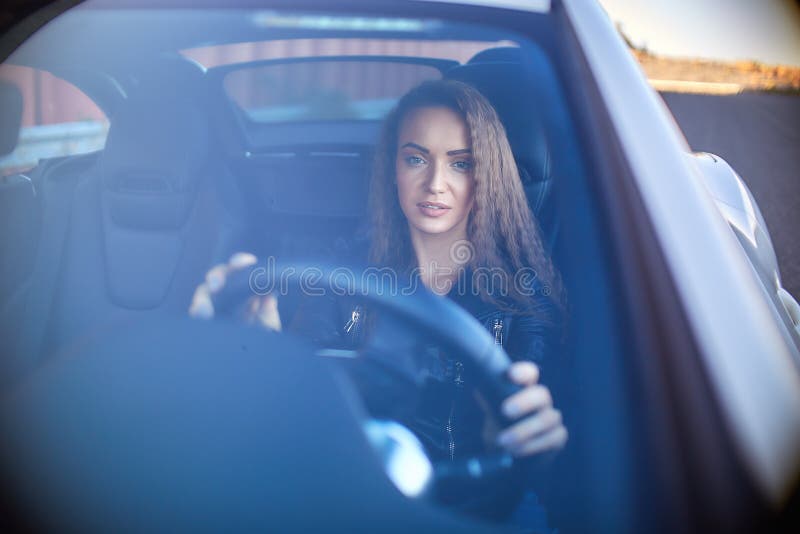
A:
(538, 427)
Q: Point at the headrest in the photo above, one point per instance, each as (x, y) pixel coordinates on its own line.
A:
(160, 127)
(512, 87)
(155, 150)
(150, 172)
(506, 54)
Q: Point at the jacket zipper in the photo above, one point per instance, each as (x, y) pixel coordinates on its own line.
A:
(458, 380)
(353, 326)
(451, 446)
(497, 328)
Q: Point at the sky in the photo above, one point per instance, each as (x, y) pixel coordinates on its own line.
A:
(763, 30)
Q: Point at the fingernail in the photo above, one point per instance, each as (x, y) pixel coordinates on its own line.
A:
(516, 373)
(214, 282)
(202, 309)
(271, 303)
(523, 373)
(242, 259)
(511, 410)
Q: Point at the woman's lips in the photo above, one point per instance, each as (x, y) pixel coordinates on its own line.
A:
(433, 209)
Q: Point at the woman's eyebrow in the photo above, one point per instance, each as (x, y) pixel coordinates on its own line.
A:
(418, 147)
(426, 151)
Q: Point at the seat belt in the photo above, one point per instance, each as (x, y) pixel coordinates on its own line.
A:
(57, 199)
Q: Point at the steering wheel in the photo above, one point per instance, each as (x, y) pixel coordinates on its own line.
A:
(464, 335)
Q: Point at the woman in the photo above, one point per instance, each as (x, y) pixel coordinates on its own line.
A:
(447, 206)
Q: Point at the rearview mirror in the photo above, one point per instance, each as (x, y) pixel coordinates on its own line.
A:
(10, 116)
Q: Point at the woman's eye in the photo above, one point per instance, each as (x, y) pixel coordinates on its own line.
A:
(414, 160)
(463, 165)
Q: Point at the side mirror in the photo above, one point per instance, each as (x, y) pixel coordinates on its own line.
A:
(737, 205)
(10, 116)
(734, 200)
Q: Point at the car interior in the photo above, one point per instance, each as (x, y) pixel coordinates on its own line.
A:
(163, 189)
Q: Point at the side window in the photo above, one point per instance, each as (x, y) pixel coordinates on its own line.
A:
(57, 119)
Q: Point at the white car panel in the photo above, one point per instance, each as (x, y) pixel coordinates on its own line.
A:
(749, 362)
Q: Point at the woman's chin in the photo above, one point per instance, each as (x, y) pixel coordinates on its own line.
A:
(436, 227)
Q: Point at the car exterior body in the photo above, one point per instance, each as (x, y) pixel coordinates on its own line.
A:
(704, 255)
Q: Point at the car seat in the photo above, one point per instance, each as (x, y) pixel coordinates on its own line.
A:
(139, 227)
(518, 83)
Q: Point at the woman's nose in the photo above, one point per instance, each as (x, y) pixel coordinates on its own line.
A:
(436, 180)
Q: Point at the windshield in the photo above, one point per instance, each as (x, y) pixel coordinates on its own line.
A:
(318, 141)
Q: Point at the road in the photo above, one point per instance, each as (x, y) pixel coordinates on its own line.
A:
(759, 135)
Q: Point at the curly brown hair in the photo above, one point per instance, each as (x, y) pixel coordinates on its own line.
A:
(501, 229)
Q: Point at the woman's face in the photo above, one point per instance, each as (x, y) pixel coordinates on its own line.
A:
(435, 183)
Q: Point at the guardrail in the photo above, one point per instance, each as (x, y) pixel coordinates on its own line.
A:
(706, 88)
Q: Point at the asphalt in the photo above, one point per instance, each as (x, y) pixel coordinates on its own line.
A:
(759, 135)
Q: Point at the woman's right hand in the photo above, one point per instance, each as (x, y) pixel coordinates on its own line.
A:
(260, 308)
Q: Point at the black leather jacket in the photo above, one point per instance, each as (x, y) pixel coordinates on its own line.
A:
(446, 415)
(443, 412)
(449, 420)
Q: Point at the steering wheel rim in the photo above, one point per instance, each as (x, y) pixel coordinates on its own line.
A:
(465, 335)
